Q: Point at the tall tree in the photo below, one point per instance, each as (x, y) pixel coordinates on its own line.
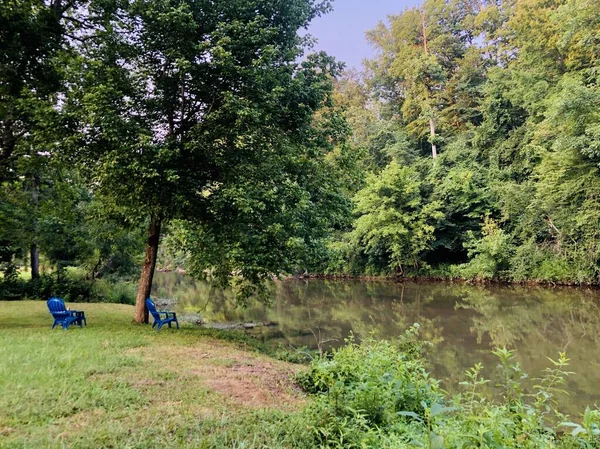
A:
(423, 55)
(32, 32)
(198, 110)
(32, 35)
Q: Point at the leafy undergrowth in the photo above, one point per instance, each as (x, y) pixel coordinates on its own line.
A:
(378, 395)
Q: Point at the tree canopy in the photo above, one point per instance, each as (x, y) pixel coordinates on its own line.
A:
(200, 112)
(510, 91)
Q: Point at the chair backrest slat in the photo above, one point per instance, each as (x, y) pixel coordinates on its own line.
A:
(56, 306)
(152, 309)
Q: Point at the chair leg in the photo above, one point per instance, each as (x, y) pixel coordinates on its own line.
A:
(177, 324)
(160, 325)
(169, 325)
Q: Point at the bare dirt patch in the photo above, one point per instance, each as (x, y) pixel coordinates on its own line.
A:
(6, 431)
(243, 379)
(254, 384)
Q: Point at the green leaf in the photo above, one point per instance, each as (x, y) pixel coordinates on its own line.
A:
(412, 415)
(437, 441)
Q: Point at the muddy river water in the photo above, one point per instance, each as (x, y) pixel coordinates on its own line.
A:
(465, 322)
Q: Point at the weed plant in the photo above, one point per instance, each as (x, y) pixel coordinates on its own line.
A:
(378, 394)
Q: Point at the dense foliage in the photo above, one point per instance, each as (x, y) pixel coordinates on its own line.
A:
(508, 93)
(205, 120)
(378, 395)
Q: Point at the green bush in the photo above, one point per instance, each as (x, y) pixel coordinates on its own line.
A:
(339, 254)
(115, 291)
(544, 263)
(489, 255)
(363, 387)
(378, 395)
(70, 286)
(11, 286)
(72, 289)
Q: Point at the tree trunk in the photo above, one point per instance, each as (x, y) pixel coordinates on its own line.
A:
(35, 261)
(145, 285)
(431, 121)
(424, 31)
(33, 249)
(432, 134)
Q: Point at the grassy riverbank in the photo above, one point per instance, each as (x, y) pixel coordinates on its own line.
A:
(115, 384)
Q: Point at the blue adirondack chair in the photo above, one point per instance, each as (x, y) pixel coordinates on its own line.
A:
(170, 317)
(63, 316)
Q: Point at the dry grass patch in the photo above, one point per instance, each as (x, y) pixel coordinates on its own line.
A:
(242, 379)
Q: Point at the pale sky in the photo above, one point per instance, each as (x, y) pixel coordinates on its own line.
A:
(341, 33)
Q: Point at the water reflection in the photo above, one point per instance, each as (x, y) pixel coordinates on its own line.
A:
(465, 322)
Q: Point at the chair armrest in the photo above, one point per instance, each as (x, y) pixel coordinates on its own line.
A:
(65, 313)
(166, 312)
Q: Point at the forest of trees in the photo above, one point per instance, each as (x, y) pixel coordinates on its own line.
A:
(469, 147)
(194, 120)
(477, 131)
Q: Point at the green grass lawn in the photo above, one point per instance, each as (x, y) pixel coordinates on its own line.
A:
(116, 384)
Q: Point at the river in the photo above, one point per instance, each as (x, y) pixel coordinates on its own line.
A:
(465, 322)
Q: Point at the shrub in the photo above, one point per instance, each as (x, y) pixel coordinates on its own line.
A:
(378, 395)
(490, 255)
(545, 263)
(115, 291)
(71, 286)
(363, 387)
(11, 287)
(339, 253)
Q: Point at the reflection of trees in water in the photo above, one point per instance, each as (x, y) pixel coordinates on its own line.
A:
(383, 310)
(516, 314)
(539, 323)
(465, 321)
(194, 296)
